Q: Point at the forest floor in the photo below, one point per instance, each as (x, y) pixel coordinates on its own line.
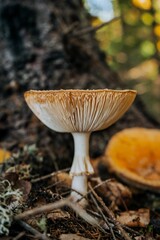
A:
(35, 185)
(42, 208)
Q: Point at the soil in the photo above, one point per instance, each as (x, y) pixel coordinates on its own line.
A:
(58, 56)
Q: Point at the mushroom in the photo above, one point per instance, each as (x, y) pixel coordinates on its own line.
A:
(133, 154)
(79, 112)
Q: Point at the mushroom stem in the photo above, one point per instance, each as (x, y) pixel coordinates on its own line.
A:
(81, 166)
(79, 186)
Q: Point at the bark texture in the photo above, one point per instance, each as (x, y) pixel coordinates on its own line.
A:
(43, 46)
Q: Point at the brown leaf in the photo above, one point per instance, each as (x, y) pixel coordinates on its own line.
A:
(63, 177)
(116, 193)
(23, 185)
(58, 213)
(12, 177)
(139, 218)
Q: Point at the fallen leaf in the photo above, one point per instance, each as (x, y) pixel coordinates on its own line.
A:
(65, 178)
(62, 177)
(139, 218)
(116, 193)
(4, 155)
(72, 237)
(12, 177)
(58, 213)
(24, 185)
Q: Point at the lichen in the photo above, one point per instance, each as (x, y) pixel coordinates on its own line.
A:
(10, 199)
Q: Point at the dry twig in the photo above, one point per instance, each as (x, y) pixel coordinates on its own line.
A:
(111, 215)
(104, 217)
(49, 175)
(59, 204)
(30, 229)
(19, 236)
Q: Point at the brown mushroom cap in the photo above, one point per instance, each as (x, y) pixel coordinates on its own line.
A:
(134, 155)
(79, 110)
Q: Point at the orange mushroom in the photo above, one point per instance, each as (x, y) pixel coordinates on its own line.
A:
(134, 155)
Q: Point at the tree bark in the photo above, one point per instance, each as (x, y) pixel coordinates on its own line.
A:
(42, 47)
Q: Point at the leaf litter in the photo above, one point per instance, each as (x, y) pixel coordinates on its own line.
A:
(45, 211)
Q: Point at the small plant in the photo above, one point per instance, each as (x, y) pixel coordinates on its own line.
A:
(9, 201)
(42, 224)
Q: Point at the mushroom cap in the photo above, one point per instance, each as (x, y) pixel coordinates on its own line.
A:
(133, 154)
(79, 110)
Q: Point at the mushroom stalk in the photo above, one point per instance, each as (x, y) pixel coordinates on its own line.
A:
(77, 112)
(81, 166)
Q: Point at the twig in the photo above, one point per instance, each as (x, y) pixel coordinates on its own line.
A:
(42, 209)
(93, 29)
(131, 230)
(54, 184)
(98, 185)
(49, 175)
(59, 204)
(30, 229)
(83, 214)
(20, 235)
(103, 216)
(111, 215)
(96, 214)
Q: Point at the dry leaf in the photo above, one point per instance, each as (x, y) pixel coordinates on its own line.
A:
(65, 178)
(4, 155)
(58, 213)
(23, 185)
(139, 218)
(116, 193)
(72, 237)
(62, 178)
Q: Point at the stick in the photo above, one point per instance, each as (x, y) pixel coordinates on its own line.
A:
(30, 229)
(59, 204)
(42, 209)
(103, 216)
(111, 215)
(20, 235)
(49, 175)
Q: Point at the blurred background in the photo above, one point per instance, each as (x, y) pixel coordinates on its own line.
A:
(132, 44)
(44, 47)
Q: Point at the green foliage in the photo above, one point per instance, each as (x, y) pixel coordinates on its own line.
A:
(42, 224)
(132, 45)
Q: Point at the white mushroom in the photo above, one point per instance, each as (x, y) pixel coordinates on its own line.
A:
(79, 112)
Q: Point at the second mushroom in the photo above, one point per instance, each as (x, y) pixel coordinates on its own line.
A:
(79, 112)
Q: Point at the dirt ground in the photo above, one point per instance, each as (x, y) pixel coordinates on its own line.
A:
(61, 55)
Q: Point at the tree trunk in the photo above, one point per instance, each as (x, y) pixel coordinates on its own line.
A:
(43, 45)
